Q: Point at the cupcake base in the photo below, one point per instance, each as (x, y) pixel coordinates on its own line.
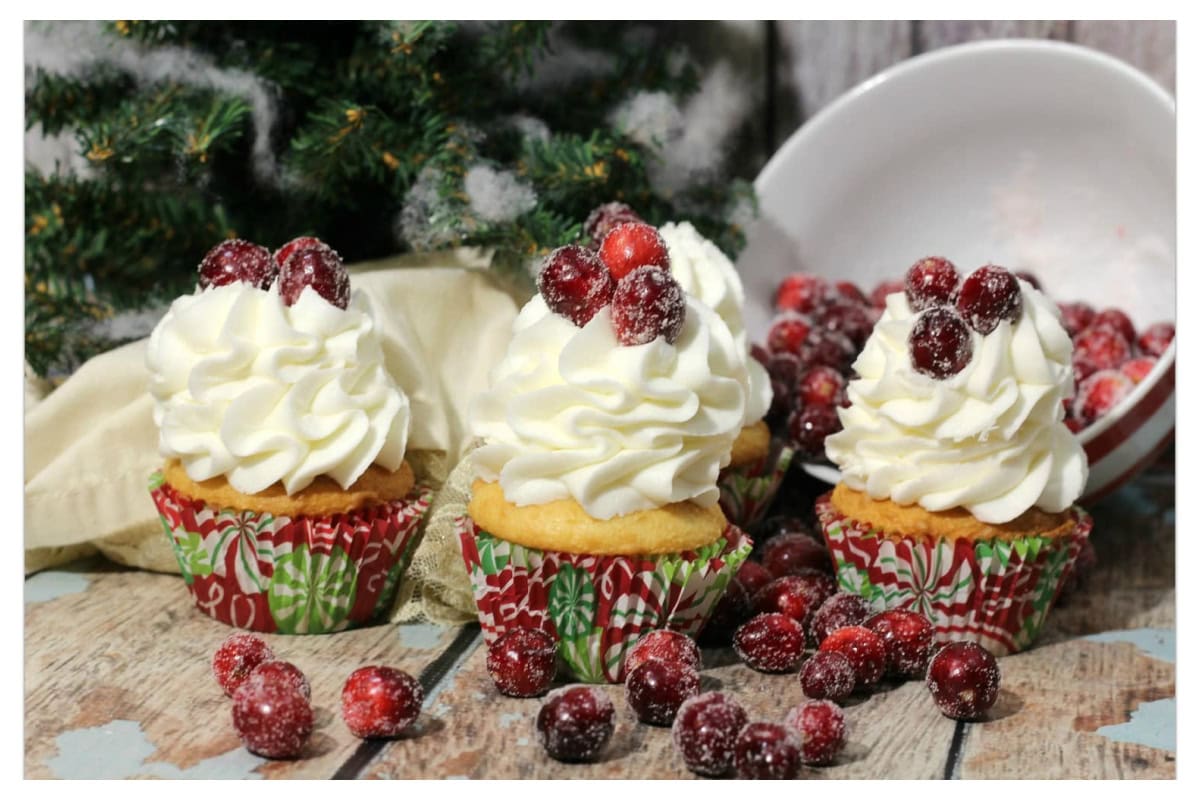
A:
(748, 490)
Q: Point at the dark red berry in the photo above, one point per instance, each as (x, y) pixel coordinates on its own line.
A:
(821, 728)
(785, 368)
(988, 296)
(730, 612)
(939, 344)
(237, 261)
(767, 751)
(1101, 346)
(1119, 320)
(1100, 393)
(663, 645)
(705, 732)
(575, 722)
(850, 291)
(781, 404)
(299, 243)
(655, 689)
(801, 292)
(788, 333)
(840, 611)
(784, 524)
(760, 354)
(1029, 278)
(821, 386)
(1076, 317)
(808, 427)
(273, 719)
(1074, 424)
(604, 218)
(316, 267)
(770, 643)
(849, 319)
(522, 662)
(827, 676)
(1136, 369)
(283, 672)
(380, 701)
(964, 680)
(818, 586)
(880, 293)
(828, 348)
(753, 576)
(930, 282)
(646, 304)
(575, 284)
(865, 651)
(908, 638)
(787, 554)
(1155, 339)
(237, 657)
(783, 596)
(631, 245)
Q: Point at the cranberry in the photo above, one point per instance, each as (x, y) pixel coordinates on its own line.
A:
(631, 245)
(817, 586)
(788, 333)
(783, 524)
(785, 368)
(827, 676)
(781, 404)
(880, 293)
(770, 643)
(930, 282)
(1074, 424)
(1155, 339)
(753, 576)
(1119, 320)
(283, 672)
(767, 751)
(840, 611)
(850, 291)
(575, 284)
(760, 354)
(522, 662)
(655, 689)
(299, 243)
(863, 648)
(1100, 393)
(273, 719)
(1076, 317)
(828, 348)
(808, 427)
(1029, 278)
(380, 701)
(783, 596)
(663, 645)
(731, 611)
(821, 727)
(1102, 346)
(908, 638)
(964, 680)
(988, 296)
(849, 319)
(319, 268)
(646, 304)
(706, 730)
(604, 218)
(237, 261)
(800, 292)
(939, 344)
(787, 553)
(575, 722)
(237, 657)
(1136, 369)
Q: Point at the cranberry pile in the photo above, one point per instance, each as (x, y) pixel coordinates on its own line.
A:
(301, 263)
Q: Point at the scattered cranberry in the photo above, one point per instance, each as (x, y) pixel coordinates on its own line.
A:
(1136, 369)
(646, 304)
(853, 321)
(851, 292)
(236, 260)
(827, 676)
(380, 701)
(1155, 339)
(821, 386)
(753, 576)
(237, 657)
(782, 524)
(821, 728)
(604, 218)
(908, 638)
(788, 553)
(939, 344)
(575, 722)
(730, 612)
(522, 662)
(840, 611)
(1100, 393)
(575, 284)
(631, 245)
(1076, 317)
(800, 292)
(316, 267)
(784, 596)
(1102, 346)
(273, 719)
(785, 368)
(828, 348)
(655, 689)
(1074, 424)
(880, 293)
(865, 651)
(299, 243)
(283, 672)
(706, 730)
(808, 427)
(1119, 320)
(770, 643)
(663, 645)
(767, 751)
(788, 333)
(817, 586)
(988, 296)
(1029, 278)
(930, 282)
(964, 680)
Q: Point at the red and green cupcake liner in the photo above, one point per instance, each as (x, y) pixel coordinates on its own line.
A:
(294, 575)
(995, 592)
(596, 607)
(747, 491)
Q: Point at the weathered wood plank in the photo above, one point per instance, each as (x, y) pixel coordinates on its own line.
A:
(1148, 45)
(932, 34)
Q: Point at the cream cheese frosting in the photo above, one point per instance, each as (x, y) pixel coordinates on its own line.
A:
(989, 439)
(572, 413)
(260, 392)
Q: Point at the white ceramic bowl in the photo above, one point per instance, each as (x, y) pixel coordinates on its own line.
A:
(1035, 155)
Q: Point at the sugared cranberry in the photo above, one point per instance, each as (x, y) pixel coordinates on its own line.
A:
(1076, 317)
(1102, 346)
(828, 348)
(786, 554)
(299, 243)
(760, 354)
(988, 296)
(840, 611)
(784, 596)
(316, 267)
(575, 722)
(1119, 320)
(237, 261)
(753, 576)
(705, 732)
(801, 292)
(808, 427)
(1155, 339)
(575, 284)
(788, 333)
(964, 680)
(655, 689)
(908, 638)
(273, 719)
(767, 751)
(851, 292)
(847, 318)
(604, 218)
(770, 643)
(380, 701)
(663, 645)
(865, 651)
(631, 245)
(522, 662)
(1029, 278)
(821, 728)
(730, 612)
(783, 524)
(237, 657)
(1074, 424)
(827, 676)
(1136, 369)
(820, 386)
(283, 672)
(785, 368)
(930, 282)
(1100, 393)
(939, 344)
(818, 586)
(880, 293)
(646, 304)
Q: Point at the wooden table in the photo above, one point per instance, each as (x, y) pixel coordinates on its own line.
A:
(118, 686)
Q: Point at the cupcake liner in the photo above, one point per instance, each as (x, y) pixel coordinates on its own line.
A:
(279, 574)
(596, 607)
(747, 491)
(994, 592)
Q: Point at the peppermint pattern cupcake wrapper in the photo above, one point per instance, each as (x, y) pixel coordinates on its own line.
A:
(297, 575)
(596, 607)
(747, 491)
(993, 592)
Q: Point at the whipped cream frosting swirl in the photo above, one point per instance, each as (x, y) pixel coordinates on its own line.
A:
(260, 392)
(707, 274)
(990, 439)
(572, 413)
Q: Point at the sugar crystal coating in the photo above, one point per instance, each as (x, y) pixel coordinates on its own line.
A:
(863, 648)
(319, 268)
(646, 304)
(237, 657)
(655, 689)
(380, 701)
(908, 638)
(283, 672)
(575, 284)
(770, 643)
(575, 722)
(939, 343)
(988, 296)
(840, 611)
(767, 751)
(604, 218)
(821, 727)
(930, 282)
(522, 662)
(273, 719)
(964, 680)
(828, 675)
(237, 260)
(666, 645)
(705, 732)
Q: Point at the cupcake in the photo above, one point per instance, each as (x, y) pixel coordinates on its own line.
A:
(284, 492)
(594, 515)
(958, 474)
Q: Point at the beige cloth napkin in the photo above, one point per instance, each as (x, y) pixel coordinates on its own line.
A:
(91, 444)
